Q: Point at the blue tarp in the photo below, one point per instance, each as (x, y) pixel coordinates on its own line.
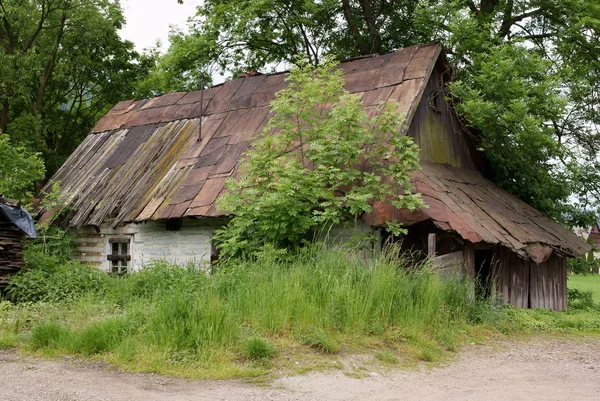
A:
(20, 218)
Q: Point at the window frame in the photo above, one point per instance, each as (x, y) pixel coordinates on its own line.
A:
(119, 258)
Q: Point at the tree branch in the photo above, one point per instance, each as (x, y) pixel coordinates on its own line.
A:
(353, 26)
(508, 23)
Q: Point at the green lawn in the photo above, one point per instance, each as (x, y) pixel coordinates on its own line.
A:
(591, 282)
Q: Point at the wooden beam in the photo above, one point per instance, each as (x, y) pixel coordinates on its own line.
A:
(431, 245)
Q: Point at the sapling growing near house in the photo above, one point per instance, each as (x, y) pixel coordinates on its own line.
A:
(322, 159)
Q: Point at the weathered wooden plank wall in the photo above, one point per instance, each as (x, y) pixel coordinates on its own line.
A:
(437, 130)
(549, 284)
(525, 284)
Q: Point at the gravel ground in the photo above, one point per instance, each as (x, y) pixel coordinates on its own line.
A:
(536, 368)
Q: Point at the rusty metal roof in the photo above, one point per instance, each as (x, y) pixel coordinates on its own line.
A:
(145, 161)
(463, 201)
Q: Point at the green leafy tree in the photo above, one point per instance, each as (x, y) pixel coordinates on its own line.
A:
(19, 170)
(62, 65)
(320, 160)
(236, 36)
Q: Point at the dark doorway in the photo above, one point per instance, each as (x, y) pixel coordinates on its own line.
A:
(483, 272)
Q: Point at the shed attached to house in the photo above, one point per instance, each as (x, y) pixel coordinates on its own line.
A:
(144, 183)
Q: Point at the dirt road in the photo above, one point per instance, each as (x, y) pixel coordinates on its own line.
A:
(532, 369)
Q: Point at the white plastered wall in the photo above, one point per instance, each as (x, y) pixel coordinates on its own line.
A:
(149, 241)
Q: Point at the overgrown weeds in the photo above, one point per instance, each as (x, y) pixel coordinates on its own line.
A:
(179, 320)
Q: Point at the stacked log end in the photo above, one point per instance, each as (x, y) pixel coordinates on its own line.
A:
(11, 250)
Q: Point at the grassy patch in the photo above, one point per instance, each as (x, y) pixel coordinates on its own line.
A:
(589, 282)
(257, 348)
(253, 317)
(387, 357)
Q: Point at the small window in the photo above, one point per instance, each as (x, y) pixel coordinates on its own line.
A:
(119, 256)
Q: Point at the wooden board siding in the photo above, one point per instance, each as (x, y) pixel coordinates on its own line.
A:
(437, 130)
(90, 247)
(548, 288)
(525, 284)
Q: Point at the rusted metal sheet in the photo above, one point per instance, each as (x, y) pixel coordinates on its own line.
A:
(209, 192)
(243, 97)
(230, 158)
(479, 211)
(219, 104)
(374, 97)
(168, 99)
(272, 84)
(362, 75)
(195, 96)
(419, 66)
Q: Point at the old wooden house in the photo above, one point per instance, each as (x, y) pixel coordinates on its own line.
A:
(143, 184)
(15, 226)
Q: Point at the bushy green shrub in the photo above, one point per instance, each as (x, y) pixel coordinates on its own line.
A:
(50, 279)
(100, 336)
(190, 322)
(581, 300)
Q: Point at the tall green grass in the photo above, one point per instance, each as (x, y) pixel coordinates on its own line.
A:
(324, 300)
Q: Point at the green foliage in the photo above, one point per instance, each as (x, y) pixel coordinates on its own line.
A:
(587, 263)
(322, 341)
(543, 320)
(51, 279)
(586, 283)
(237, 36)
(388, 357)
(257, 348)
(509, 97)
(233, 36)
(524, 72)
(50, 274)
(582, 300)
(327, 162)
(62, 66)
(19, 170)
(48, 335)
(188, 322)
(172, 319)
(99, 337)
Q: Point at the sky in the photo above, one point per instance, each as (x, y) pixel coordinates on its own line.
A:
(149, 20)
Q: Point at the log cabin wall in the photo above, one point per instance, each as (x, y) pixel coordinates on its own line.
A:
(11, 250)
(525, 284)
